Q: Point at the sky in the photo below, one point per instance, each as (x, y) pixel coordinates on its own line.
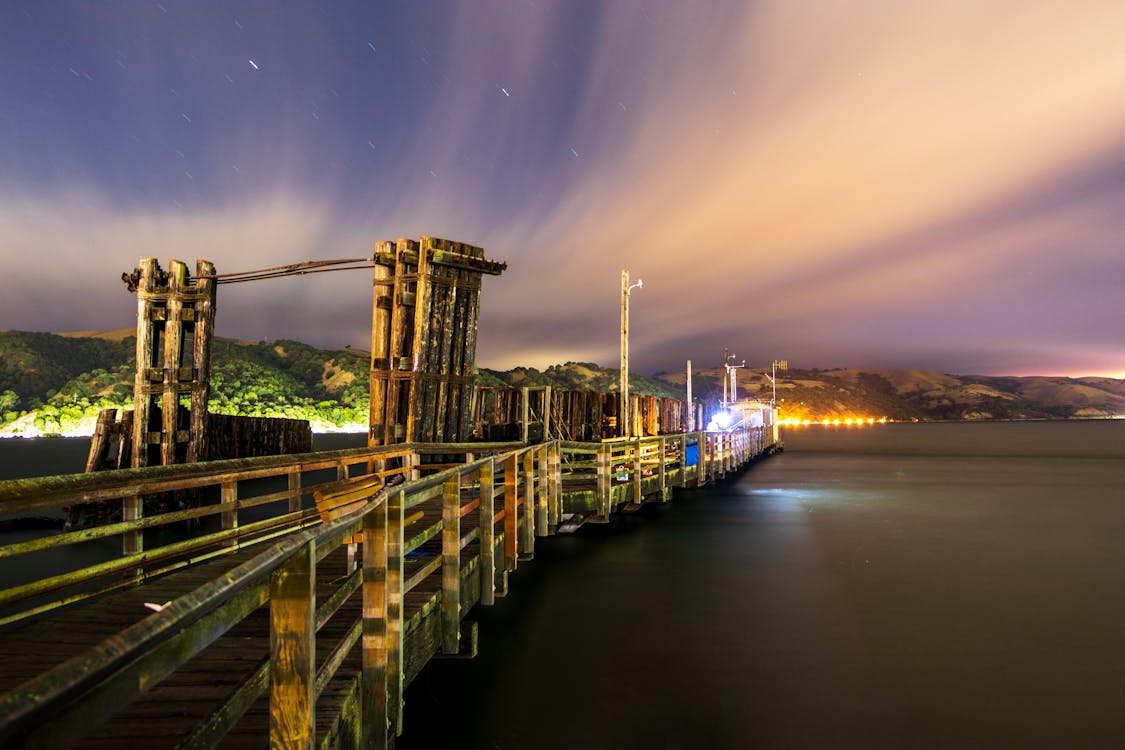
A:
(837, 183)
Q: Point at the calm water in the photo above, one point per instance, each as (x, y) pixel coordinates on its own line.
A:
(900, 586)
(903, 586)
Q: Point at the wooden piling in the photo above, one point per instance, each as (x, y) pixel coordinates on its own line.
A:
(424, 323)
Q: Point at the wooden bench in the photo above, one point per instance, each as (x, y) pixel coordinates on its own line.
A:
(337, 499)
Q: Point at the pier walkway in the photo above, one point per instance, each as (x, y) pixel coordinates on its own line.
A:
(290, 599)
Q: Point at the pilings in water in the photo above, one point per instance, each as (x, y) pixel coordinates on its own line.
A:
(536, 413)
(424, 338)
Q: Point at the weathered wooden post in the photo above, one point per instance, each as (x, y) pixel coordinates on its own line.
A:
(511, 513)
(604, 480)
(375, 711)
(451, 565)
(663, 469)
(487, 534)
(396, 628)
(542, 511)
(638, 472)
(556, 486)
(293, 651)
(527, 545)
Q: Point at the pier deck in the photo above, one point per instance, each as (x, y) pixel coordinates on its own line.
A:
(280, 630)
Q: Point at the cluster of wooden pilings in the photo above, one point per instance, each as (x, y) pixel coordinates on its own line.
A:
(175, 326)
(535, 413)
(423, 339)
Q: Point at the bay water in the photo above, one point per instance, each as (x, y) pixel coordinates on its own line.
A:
(952, 585)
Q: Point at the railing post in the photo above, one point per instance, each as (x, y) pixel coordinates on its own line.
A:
(132, 510)
(662, 446)
(295, 489)
(293, 651)
(604, 481)
(487, 535)
(638, 498)
(228, 497)
(683, 460)
(511, 512)
(528, 539)
(705, 457)
(396, 664)
(556, 484)
(374, 641)
(451, 565)
(542, 491)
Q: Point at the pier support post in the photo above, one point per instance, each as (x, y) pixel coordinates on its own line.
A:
(528, 546)
(293, 651)
(512, 540)
(451, 565)
(487, 535)
(375, 712)
(396, 664)
(556, 485)
(638, 471)
(604, 482)
(542, 494)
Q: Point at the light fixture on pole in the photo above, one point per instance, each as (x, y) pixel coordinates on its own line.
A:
(778, 364)
(623, 428)
(731, 375)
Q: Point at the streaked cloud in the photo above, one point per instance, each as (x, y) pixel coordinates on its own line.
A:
(840, 183)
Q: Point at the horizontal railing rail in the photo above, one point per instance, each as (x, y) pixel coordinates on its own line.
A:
(228, 505)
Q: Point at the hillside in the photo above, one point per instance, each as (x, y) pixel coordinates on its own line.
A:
(56, 383)
(922, 394)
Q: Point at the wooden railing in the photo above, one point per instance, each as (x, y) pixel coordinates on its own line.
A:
(598, 478)
(498, 503)
(228, 505)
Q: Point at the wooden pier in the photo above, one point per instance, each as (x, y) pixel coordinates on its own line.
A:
(194, 603)
(301, 597)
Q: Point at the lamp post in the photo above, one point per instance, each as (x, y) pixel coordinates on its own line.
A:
(778, 364)
(731, 375)
(624, 427)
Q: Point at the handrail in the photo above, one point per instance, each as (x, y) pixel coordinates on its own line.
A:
(225, 478)
(117, 658)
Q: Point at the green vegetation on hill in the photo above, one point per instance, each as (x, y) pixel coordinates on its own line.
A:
(52, 383)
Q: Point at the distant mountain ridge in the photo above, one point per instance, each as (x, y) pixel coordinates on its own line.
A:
(58, 383)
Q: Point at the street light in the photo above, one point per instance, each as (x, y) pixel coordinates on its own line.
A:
(624, 427)
(778, 364)
(728, 363)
